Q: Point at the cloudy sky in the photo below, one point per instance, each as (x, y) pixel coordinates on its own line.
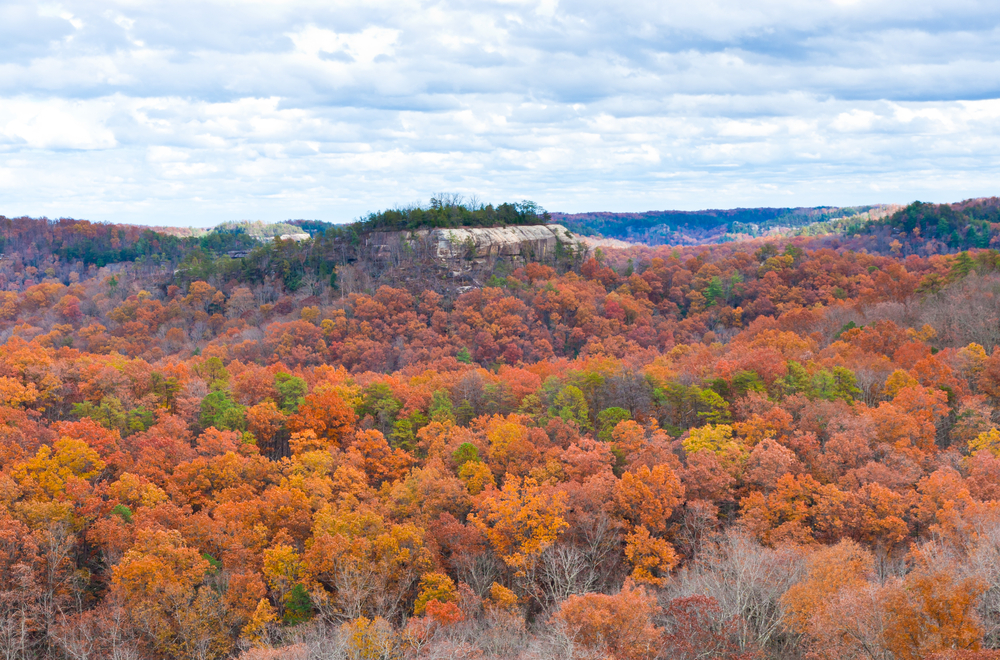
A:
(191, 113)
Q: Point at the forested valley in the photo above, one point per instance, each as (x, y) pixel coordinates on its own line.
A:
(216, 447)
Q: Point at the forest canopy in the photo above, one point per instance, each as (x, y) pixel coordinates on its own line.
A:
(778, 448)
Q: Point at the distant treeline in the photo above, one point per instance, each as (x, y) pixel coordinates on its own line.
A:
(659, 227)
(37, 239)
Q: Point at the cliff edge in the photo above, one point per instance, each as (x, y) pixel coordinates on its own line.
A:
(480, 244)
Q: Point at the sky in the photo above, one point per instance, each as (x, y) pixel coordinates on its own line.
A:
(191, 113)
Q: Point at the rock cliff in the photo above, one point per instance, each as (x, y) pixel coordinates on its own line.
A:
(480, 244)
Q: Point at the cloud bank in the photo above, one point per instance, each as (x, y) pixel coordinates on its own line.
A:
(192, 113)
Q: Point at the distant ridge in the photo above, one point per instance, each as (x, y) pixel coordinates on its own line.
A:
(705, 226)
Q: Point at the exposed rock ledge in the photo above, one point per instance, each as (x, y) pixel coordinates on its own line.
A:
(532, 242)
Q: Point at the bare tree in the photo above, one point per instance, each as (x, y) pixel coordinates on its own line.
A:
(966, 311)
(17, 634)
(870, 380)
(479, 570)
(96, 634)
(746, 579)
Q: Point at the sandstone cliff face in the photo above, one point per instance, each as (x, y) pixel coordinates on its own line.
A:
(478, 244)
(534, 241)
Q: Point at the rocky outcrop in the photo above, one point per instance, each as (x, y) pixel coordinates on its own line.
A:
(535, 241)
(480, 244)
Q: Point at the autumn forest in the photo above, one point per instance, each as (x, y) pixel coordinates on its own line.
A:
(226, 447)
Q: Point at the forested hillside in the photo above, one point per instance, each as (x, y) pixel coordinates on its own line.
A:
(927, 228)
(709, 226)
(66, 244)
(783, 448)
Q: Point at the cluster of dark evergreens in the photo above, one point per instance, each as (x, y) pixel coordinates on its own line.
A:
(289, 260)
(958, 226)
(919, 228)
(449, 211)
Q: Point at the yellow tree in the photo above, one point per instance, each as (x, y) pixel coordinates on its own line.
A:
(648, 496)
(508, 446)
(651, 558)
(934, 609)
(52, 468)
(718, 439)
(158, 578)
(282, 569)
(363, 563)
(521, 520)
(476, 476)
(255, 632)
(369, 639)
(828, 570)
(986, 441)
(972, 360)
(434, 587)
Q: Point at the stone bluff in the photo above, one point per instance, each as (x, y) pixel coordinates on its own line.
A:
(478, 244)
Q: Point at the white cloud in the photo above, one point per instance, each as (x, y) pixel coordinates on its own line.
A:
(363, 47)
(854, 121)
(160, 154)
(133, 110)
(55, 124)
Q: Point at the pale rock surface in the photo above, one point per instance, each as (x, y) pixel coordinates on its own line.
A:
(532, 242)
(538, 240)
